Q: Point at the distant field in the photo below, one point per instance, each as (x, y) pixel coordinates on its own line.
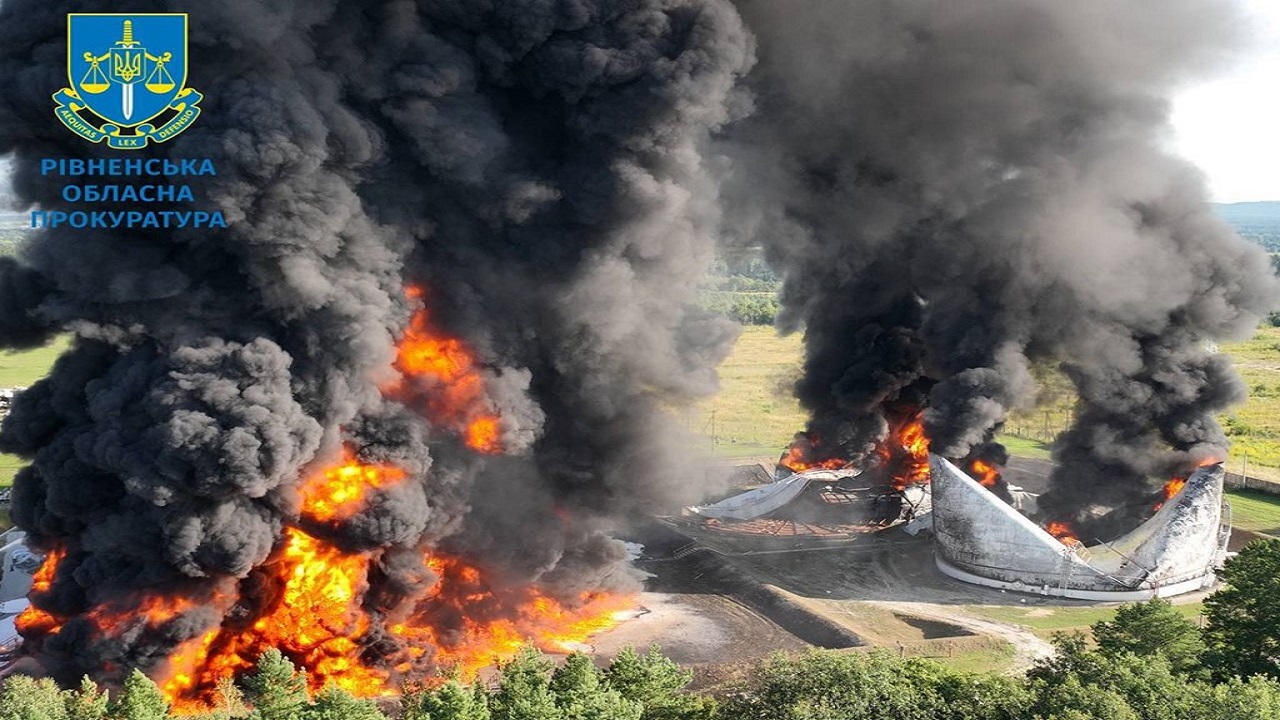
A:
(25, 367)
(1255, 426)
(1045, 621)
(20, 369)
(754, 414)
(1025, 447)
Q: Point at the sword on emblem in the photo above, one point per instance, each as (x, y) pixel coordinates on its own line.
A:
(126, 66)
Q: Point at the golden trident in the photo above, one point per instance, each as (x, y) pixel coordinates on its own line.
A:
(126, 67)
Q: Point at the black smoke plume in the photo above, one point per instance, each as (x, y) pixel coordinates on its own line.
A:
(957, 191)
(535, 169)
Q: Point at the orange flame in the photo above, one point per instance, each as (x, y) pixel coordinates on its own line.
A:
(985, 473)
(33, 620)
(1173, 487)
(797, 460)
(319, 622)
(312, 599)
(905, 452)
(913, 446)
(318, 615)
(313, 608)
(454, 378)
(1170, 489)
(337, 493)
(1063, 532)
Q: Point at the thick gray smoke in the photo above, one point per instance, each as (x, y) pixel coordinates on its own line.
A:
(6, 189)
(533, 168)
(955, 191)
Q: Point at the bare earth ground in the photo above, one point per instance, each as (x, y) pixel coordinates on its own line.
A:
(712, 612)
(699, 629)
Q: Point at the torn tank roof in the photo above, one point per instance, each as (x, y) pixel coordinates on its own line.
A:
(981, 539)
(769, 498)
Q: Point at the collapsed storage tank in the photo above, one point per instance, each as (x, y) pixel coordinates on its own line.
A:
(981, 539)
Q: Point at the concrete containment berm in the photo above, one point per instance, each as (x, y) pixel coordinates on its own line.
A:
(980, 539)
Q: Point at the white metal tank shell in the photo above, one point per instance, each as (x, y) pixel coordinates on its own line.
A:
(981, 539)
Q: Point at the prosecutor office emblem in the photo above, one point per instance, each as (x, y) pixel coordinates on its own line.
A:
(128, 75)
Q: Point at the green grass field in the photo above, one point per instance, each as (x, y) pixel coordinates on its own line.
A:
(754, 414)
(1045, 621)
(27, 366)
(994, 657)
(1251, 510)
(1025, 447)
(1255, 426)
(975, 655)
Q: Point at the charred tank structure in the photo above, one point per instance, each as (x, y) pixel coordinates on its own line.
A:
(806, 509)
(981, 539)
(819, 497)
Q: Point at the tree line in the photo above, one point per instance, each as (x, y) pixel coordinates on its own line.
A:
(1148, 663)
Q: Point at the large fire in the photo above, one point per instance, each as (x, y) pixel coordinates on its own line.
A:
(338, 492)
(444, 372)
(311, 598)
(905, 453)
(319, 619)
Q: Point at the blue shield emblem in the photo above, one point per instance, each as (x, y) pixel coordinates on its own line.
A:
(128, 74)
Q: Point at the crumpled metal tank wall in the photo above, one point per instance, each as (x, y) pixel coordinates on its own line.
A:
(768, 498)
(981, 539)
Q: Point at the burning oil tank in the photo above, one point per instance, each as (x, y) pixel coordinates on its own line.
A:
(983, 540)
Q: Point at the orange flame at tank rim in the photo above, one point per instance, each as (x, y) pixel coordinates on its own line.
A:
(1064, 533)
(1169, 491)
(1174, 485)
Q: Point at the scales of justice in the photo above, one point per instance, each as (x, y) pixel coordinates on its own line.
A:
(128, 62)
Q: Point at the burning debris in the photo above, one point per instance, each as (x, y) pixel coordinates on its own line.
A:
(901, 459)
(388, 419)
(820, 498)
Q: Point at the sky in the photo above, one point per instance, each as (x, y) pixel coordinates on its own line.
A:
(1230, 125)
